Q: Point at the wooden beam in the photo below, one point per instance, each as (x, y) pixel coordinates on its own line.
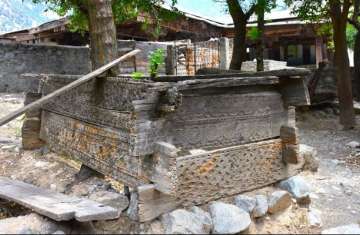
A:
(80, 81)
(56, 206)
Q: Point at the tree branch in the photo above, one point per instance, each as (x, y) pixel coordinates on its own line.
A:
(250, 11)
(235, 9)
(355, 23)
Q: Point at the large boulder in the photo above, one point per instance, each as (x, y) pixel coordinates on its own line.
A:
(298, 188)
(261, 206)
(347, 229)
(183, 222)
(279, 201)
(246, 203)
(229, 219)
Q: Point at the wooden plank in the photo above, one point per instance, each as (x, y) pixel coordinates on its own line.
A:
(92, 103)
(221, 73)
(54, 205)
(226, 82)
(82, 80)
(228, 118)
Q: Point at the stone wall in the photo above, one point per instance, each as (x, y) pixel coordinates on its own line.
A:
(250, 66)
(140, 62)
(17, 59)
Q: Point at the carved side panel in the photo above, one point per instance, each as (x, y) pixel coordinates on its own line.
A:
(220, 173)
(103, 149)
(220, 120)
(104, 101)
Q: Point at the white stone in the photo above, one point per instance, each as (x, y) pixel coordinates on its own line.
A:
(245, 202)
(183, 222)
(279, 201)
(353, 144)
(204, 217)
(229, 219)
(261, 206)
(41, 164)
(197, 151)
(347, 229)
(298, 188)
(9, 148)
(314, 218)
(59, 232)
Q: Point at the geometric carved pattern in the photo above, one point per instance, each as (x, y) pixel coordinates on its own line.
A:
(225, 172)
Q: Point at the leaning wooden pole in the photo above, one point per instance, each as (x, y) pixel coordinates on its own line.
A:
(66, 88)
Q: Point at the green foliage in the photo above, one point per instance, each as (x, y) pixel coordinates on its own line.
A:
(137, 75)
(123, 10)
(265, 5)
(254, 33)
(319, 11)
(310, 10)
(156, 59)
(350, 35)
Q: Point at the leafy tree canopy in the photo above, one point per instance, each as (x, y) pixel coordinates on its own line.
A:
(123, 10)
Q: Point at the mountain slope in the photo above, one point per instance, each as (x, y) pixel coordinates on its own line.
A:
(21, 14)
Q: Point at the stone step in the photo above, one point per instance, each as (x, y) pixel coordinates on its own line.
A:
(56, 206)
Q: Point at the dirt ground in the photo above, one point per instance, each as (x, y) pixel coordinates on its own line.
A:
(335, 187)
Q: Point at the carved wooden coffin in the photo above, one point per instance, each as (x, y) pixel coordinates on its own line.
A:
(115, 125)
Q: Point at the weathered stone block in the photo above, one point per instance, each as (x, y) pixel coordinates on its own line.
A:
(31, 134)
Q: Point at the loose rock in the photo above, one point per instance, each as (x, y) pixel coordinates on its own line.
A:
(298, 188)
(279, 201)
(115, 200)
(229, 219)
(80, 190)
(261, 207)
(29, 224)
(9, 148)
(347, 229)
(156, 227)
(311, 162)
(314, 218)
(246, 203)
(204, 217)
(183, 222)
(353, 144)
(59, 232)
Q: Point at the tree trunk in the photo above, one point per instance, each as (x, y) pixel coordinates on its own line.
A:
(239, 48)
(260, 42)
(103, 44)
(341, 62)
(357, 64)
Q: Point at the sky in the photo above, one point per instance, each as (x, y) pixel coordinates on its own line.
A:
(209, 9)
